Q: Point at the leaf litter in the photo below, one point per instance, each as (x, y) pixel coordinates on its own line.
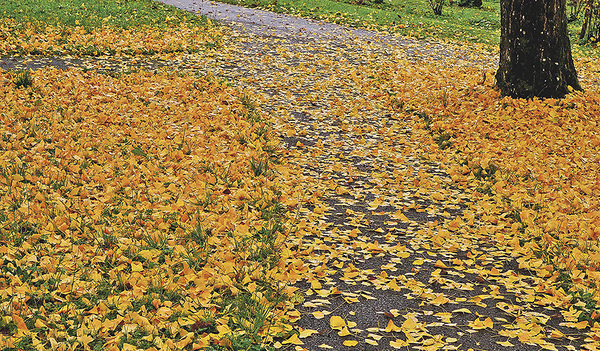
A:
(425, 211)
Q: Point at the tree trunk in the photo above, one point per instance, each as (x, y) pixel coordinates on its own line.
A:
(591, 23)
(535, 52)
(586, 20)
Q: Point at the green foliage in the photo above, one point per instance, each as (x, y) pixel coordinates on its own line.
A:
(575, 9)
(23, 79)
(436, 6)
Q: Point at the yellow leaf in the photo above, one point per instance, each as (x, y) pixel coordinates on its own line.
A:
(375, 203)
(293, 340)
(440, 264)
(479, 324)
(398, 344)
(318, 314)
(149, 254)
(394, 285)
(305, 333)
(391, 327)
(444, 316)
(136, 266)
(437, 196)
(181, 344)
(40, 324)
(337, 322)
(505, 343)
(405, 254)
(350, 343)
(409, 325)
(204, 342)
(325, 346)
(371, 342)
(485, 163)
(440, 300)
(85, 339)
(22, 328)
(375, 336)
(399, 215)
(344, 332)
(462, 310)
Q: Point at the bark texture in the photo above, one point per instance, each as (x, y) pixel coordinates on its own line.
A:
(591, 22)
(535, 51)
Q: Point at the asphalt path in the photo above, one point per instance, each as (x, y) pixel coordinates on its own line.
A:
(262, 22)
(293, 28)
(292, 42)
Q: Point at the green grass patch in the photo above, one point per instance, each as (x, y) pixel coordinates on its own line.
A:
(95, 14)
(408, 17)
(97, 28)
(413, 18)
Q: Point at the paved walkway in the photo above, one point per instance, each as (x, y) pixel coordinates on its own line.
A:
(261, 22)
(265, 23)
(366, 219)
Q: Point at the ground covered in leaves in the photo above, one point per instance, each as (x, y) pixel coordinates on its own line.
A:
(296, 193)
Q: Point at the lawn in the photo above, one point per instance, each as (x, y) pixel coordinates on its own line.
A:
(141, 27)
(137, 209)
(408, 17)
(413, 18)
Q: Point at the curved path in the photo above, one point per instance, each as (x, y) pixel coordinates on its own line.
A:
(262, 22)
(266, 23)
(365, 235)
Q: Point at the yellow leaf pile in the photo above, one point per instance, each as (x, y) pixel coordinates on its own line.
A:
(533, 165)
(32, 38)
(137, 210)
(148, 211)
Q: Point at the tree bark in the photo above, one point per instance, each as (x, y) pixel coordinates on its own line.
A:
(590, 26)
(535, 51)
(586, 19)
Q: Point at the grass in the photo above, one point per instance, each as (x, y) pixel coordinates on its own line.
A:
(233, 221)
(408, 17)
(100, 28)
(23, 79)
(95, 14)
(412, 18)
